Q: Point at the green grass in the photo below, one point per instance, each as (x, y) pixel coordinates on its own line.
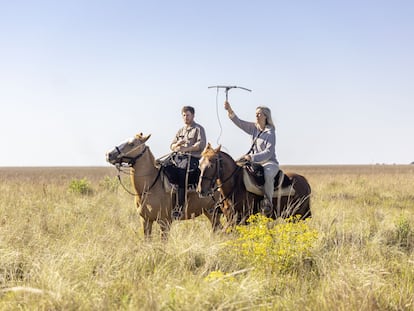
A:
(64, 250)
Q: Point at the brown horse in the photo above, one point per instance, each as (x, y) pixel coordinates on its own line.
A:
(153, 196)
(237, 203)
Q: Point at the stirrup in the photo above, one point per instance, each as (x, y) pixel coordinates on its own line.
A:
(177, 213)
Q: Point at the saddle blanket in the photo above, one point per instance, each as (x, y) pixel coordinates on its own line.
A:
(252, 187)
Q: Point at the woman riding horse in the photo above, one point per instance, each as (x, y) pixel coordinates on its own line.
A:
(262, 151)
(220, 171)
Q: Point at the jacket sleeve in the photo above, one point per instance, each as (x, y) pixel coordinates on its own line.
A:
(174, 141)
(248, 127)
(200, 143)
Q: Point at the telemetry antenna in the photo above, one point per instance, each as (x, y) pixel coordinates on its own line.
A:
(227, 88)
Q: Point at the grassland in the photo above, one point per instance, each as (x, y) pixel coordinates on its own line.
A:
(63, 249)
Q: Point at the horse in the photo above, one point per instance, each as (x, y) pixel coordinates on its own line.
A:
(237, 202)
(153, 197)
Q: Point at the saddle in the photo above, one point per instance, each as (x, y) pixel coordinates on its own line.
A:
(253, 177)
(169, 169)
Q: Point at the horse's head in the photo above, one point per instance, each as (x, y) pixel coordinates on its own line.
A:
(129, 151)
(209, 170)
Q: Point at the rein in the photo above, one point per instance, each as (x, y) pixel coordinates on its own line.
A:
(122, 184)
(218, 176)
(218, 173)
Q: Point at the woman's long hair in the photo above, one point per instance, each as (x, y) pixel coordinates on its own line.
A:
(266, 111)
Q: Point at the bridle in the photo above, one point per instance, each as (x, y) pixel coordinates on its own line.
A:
(130, 162)
(216, 176)
(219, 176)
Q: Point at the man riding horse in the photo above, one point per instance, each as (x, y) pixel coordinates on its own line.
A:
(188, 143)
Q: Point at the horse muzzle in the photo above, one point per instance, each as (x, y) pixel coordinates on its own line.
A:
(112, 157)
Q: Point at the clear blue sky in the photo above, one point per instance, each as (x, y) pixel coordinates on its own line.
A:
(78, 77)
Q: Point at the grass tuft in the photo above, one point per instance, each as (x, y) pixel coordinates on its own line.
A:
(80, 186)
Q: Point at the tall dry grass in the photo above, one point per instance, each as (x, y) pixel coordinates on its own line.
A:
(64, 250)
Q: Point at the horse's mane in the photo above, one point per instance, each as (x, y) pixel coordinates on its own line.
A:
(209, 153)
(152, 157)
(227, 155)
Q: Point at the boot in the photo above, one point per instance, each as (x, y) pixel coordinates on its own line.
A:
(267, 207)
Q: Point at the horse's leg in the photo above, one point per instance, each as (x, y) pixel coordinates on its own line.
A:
(306, 205)
(231, 214)
(250, 206)
(299, 204)
(212, 212)
(165, 226)
(147, 226)
(216, 219)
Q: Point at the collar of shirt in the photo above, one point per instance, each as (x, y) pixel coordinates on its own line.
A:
(189, 127)
(267, 128)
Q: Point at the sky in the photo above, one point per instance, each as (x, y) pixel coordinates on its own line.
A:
(79, 77)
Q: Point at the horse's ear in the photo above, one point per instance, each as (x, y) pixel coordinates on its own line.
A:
(145, 138)
(217, 149)
(142, 138)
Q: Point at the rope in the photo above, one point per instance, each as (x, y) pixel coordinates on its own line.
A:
(218, 118)
(219, 122)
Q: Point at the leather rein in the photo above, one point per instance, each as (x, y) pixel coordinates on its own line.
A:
(218, 176)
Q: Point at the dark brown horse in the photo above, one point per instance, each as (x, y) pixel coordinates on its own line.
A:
(237, 203)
